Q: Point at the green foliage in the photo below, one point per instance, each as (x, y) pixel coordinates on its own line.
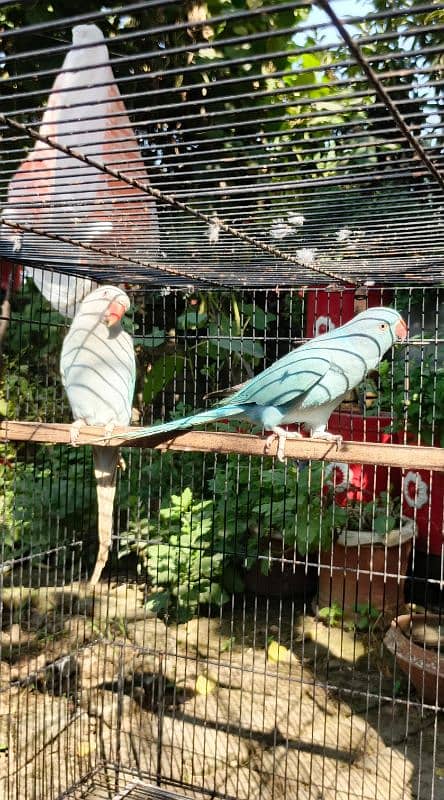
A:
(366, 618)
(216, 337)
(182, 553)
(196, 550)
(260, 57)
(160, 375)
(331, 615)
(414, 393)
(54, 492)
(381, 515)
(31, 378)
(272, 498)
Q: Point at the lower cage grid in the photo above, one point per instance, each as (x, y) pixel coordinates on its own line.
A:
(255, 635)
(221, 219)
(188, 714)
(110, 782)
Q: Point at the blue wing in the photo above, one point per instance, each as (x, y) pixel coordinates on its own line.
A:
(283, 382)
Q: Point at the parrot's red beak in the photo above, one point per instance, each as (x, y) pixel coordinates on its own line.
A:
(114, 313)
(401, 330)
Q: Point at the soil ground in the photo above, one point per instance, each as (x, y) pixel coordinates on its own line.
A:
(98, 700)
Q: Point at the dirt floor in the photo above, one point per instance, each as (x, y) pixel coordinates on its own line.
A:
(262, 702)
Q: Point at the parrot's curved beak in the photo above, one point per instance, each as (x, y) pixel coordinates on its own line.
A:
(401, 330)
(114, 313)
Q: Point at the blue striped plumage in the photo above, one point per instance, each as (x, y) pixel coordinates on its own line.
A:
(308, 383)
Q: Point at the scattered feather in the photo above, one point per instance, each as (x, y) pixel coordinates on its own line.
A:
(280, 229)
(297, 220)
(306, 256)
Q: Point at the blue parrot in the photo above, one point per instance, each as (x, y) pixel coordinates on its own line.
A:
(305, 385)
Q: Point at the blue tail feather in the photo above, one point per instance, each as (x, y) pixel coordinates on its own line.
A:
(212, 415)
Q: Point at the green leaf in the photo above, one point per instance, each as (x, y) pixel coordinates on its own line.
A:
(384, 524)
(153, 339)
(158, 602)
(160, 375)
(259, 318)
(245, 347)
(191, 320)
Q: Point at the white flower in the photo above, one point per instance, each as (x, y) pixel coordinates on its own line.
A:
(416, 491)
(279, 229)
(297, 220)
(338, 474)
(306, 256)
(323, 325)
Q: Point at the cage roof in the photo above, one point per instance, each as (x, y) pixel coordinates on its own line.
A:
(233, 144)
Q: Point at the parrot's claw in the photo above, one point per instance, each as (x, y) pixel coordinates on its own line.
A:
(329, 437)
(74, 431)
(282, 436)
(108, 431)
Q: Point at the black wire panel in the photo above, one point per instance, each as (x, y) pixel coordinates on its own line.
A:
(157, 684)
(251, 144)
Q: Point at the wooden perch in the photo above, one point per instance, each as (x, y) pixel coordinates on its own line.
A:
(394, 455)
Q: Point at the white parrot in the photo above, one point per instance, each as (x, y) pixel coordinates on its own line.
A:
(98, 369)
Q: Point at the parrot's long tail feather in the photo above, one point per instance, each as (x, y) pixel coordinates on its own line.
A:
(105, 470)
(212, 415)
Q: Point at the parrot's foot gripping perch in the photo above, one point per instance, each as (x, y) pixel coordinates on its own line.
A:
(282, 436)
(74, 431)
(325, 436)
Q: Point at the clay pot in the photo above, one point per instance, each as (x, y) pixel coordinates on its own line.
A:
(287, 576)
(367, 574)
(424, 665)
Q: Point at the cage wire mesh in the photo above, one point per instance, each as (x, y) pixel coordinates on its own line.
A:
(253, 174)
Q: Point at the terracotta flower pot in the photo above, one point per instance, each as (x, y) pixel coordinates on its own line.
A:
(366, 574)
(424, 665)
(286, 576)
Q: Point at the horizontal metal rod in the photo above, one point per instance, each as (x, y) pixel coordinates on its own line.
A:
(393, 455)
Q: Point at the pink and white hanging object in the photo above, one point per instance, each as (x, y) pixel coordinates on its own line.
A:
(59, 194)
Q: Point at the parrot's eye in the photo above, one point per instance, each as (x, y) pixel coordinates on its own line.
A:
(383, 326)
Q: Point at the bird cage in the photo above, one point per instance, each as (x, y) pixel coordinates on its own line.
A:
(252, 176)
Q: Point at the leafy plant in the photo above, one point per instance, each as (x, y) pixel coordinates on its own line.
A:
(413, 393)
(289, 501)
(183, 554)
(30, 384)
(367, 617)
(55, 492)
(331, 615)
(380, 515)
